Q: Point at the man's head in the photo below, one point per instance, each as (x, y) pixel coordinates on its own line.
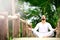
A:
(43, 17)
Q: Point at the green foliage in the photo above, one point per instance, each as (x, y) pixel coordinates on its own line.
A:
(34, 13)
(58, 10)
(46, 8)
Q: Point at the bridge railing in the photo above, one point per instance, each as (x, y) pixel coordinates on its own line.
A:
(12, 26)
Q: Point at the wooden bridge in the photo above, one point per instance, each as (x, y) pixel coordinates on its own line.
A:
(12, 25)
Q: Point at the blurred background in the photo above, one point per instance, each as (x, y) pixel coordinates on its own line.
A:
(31, 11)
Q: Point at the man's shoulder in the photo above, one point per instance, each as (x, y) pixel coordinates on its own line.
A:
(47, 22)
(39, 23)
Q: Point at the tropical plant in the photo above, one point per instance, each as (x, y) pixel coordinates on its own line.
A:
(46, 7)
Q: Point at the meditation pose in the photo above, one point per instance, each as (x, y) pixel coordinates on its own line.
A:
(44, 28)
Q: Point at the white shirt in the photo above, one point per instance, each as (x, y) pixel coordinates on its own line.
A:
(43, 28)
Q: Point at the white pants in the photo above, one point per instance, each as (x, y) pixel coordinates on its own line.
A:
(38, 34)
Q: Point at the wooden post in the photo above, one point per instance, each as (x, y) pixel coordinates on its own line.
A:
(23, 29)
(58, 30)
(13, 7)
(28, 32)
(15, 22)
(4, 26)
(16, 26)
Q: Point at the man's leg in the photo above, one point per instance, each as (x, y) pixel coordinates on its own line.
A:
(36, 33)
(51, 33)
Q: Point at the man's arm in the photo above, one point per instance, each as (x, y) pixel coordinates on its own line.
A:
(50, 28)
(35, 29)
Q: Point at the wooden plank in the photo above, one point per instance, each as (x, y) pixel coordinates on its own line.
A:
(36, 38)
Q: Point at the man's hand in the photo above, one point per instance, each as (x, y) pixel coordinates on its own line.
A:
(30, 29)
(55, 29)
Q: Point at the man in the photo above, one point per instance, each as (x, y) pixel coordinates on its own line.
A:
(43, 28)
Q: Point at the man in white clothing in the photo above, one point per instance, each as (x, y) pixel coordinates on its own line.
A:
(43, 28)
